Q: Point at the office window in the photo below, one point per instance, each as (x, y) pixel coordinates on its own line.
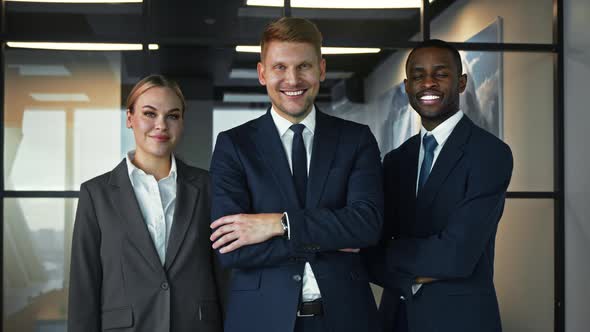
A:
(37, 241)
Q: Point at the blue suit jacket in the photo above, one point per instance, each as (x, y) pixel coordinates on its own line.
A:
(447, 232)
(250, 174)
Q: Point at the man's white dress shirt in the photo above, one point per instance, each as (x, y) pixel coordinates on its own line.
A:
(310, 290)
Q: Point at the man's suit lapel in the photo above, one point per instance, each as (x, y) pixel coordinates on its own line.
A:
(187, 195)
(450, 154)
(124, 199)
(272, 152)
(409, 166)
(325, 141)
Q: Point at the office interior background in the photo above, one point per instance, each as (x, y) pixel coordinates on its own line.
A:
(63, 122)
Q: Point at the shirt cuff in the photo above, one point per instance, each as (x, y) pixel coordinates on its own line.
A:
(416, 288)
(288, 226)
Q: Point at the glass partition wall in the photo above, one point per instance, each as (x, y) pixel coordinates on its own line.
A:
(63, 119)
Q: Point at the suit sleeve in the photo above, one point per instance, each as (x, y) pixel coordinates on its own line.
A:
(358, 223)
(374, 256)
(455, 251)
(84, 305)
(231, 196)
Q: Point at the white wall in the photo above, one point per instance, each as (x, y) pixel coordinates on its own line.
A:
(227, 118)
(527, 21)
(577, 166)
(195, 146)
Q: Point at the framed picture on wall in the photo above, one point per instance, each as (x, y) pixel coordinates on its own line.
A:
(482, 99)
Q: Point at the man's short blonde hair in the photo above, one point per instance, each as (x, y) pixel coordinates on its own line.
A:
(292, 29)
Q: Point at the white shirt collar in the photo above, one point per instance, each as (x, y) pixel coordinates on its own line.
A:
(442, 132)
(131, 168)
(283, 124)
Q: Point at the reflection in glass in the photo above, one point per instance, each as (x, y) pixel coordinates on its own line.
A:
(100, 138)
(39, 142)
(63, 122)
(37, 236)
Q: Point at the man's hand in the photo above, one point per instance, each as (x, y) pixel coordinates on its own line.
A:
(238, 230)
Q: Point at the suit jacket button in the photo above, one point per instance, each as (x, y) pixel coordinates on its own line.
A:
(297, 278)
(164, 286)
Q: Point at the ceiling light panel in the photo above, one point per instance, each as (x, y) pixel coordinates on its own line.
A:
(78, 1)
(325, 50)
(341, 4)
(41, 70)
(60, 97)
(76, 46)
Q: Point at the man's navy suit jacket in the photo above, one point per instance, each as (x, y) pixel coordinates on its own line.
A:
(250, 174)
(447, 232)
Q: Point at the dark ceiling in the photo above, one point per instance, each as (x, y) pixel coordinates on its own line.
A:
(197, 38)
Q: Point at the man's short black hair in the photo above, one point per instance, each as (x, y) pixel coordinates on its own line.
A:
(437, 43)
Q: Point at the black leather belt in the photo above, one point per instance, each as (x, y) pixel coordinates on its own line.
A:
(310, 309)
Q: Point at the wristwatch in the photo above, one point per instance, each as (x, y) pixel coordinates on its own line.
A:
(285, 225)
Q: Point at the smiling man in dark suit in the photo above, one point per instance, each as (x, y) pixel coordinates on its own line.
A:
(291, 191)
(444, 191)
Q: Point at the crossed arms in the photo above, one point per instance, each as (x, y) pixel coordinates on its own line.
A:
(454, 251)
(246, 239)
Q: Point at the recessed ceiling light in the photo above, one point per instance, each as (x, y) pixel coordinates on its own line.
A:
(77, 46)
(325, 50)
(341, 4)
(242, 73)
(239, 73)
(79, 1)
(334, 75)
(60, 97)
(349, 50)
(229, 97)
(41, 70)
(153, 47)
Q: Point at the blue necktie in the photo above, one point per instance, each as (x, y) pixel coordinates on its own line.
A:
(299, 163)
(429, 143)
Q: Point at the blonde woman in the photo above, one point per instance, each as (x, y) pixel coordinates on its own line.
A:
(141, 256)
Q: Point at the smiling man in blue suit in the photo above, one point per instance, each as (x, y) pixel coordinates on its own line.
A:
(292, 190)
(444, 191)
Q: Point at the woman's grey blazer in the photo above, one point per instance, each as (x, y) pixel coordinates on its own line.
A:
(116, 279)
